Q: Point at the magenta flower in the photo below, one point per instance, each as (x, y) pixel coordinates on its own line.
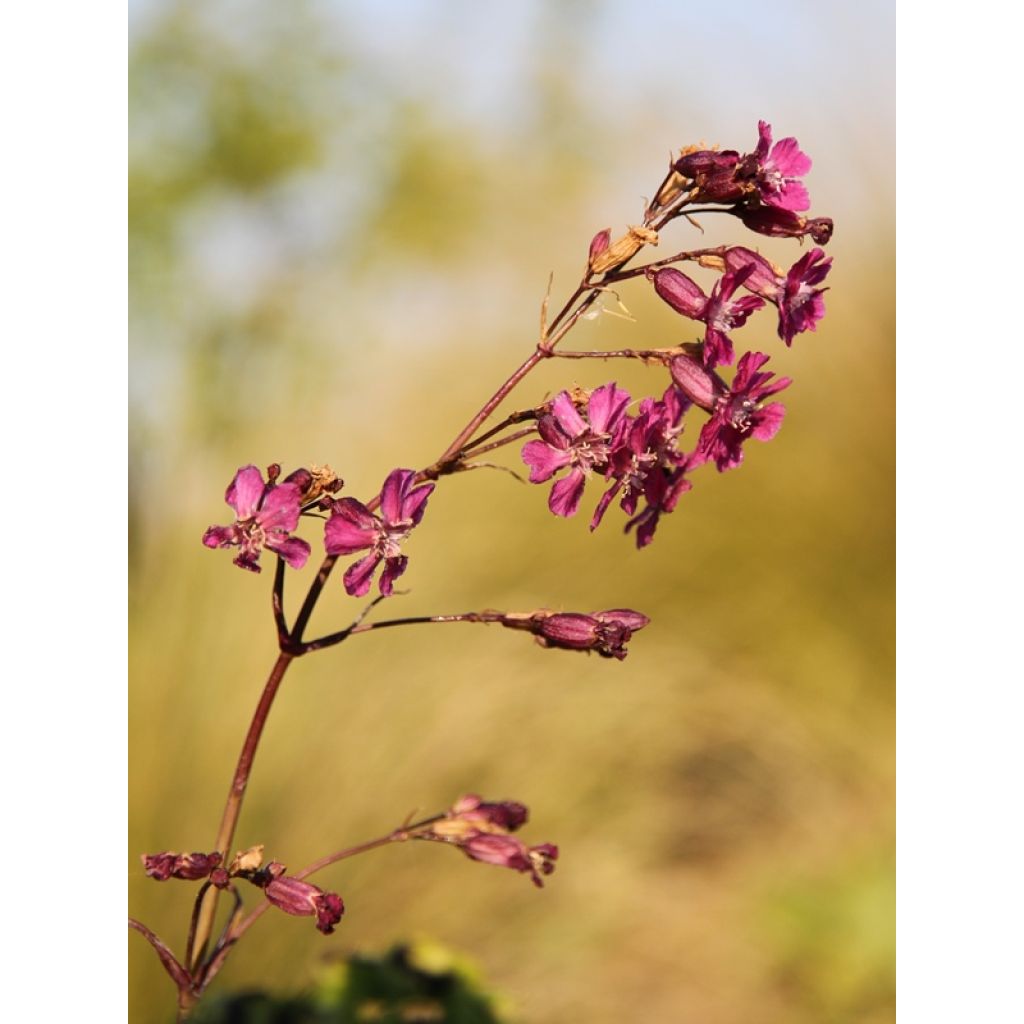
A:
(302, 899)
(719, 311)
(662, 491)
(569, 440)
(353, 527)
(736, 411)
(777, 170)
(801, 305)
(649, 451)
(266, 514)
(510, 852)
(607, 633)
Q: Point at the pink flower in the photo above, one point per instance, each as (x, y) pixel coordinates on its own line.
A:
(648, 454)
(777, 171)
(662, 492)
(736, 411)
(510, 852)
(265, 516)
(719, 311)
(302, 899)
(353, 527)
(570, 440)
(801, 305)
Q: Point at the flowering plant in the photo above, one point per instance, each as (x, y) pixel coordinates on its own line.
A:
(639, 455)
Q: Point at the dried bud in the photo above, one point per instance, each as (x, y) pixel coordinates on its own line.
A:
(507, 815)
(247, 860)
(674, 187)
(302, 899)
(604, 632)
(509, 852)
(315, 482)
(779, 223)
(713, 174)
(220, 878)
(187, 866)
(623, 249)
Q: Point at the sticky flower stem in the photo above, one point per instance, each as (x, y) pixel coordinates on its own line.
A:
(233, 806)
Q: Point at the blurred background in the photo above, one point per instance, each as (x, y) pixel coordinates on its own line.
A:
(343, 219)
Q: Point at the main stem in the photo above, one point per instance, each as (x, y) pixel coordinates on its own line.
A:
(559, 327)
(233, 807)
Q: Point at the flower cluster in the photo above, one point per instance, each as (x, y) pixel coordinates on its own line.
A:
(189, 867)
(292, 895)
(483, 832)
(763, 188)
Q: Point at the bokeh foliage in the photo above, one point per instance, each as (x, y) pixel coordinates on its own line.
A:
(340, 236)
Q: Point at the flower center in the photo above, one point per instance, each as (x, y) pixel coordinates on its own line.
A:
(589, 450)
(739, 412)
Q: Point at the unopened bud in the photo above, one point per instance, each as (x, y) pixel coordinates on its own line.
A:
(694, 381)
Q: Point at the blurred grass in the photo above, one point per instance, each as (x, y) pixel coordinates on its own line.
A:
(330, 263)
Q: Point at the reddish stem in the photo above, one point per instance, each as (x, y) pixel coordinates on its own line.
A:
(233, 806)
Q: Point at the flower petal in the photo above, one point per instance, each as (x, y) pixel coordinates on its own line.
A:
(294, 550)
(393, 568)
(415, 503)
(769, 420)
(565, 496)
(393, 493)
(280, 510)
(352, 527)
(543, 460)
(244, 492)
(358, 575)
(222, 536)
(605, 408)
(567, 415)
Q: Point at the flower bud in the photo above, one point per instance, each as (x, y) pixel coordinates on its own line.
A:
(694, 381)
(604, 632)
(302, 899)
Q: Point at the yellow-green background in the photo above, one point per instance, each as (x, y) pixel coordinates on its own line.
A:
(343, 218)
